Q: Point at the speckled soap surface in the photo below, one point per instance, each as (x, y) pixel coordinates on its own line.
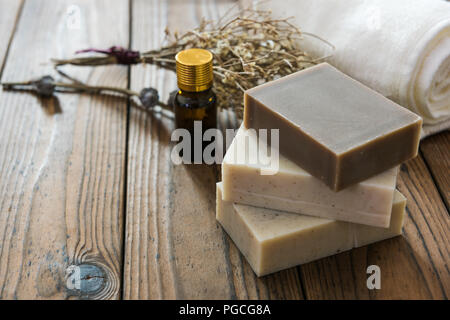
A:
(273, 240)
(337, 129)
(294, 190)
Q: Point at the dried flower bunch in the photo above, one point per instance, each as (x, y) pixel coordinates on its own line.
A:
(249, 49)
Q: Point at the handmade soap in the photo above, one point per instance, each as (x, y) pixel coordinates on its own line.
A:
(294, 190)
(337, 129)
(274, 240)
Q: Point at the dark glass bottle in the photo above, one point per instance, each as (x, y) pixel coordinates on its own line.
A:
(195, 99)
(195, 106)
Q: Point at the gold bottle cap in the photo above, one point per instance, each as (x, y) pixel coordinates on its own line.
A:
(194, 70)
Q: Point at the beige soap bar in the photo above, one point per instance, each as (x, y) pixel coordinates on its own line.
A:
(294, 190)
(275, 240)
(337, 129)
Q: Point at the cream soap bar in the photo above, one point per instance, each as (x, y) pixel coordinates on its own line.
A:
(275, 240)
(294, 190)
(337, 129)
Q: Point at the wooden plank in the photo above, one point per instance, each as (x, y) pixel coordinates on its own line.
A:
(436, 152)
(9, 13)
(62, 160)
(414, 266)
(174, 247)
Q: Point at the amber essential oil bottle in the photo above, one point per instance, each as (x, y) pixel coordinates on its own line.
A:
(195, 99)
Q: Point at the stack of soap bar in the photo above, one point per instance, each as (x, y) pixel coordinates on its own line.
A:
(332, 126)
(329, 184)
(294, 190)
(274, 240)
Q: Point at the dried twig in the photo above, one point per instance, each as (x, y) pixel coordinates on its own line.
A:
(46, 86)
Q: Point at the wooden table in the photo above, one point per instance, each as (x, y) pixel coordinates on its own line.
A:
(87, 181)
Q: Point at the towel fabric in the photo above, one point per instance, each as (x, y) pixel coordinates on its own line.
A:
(400, 48)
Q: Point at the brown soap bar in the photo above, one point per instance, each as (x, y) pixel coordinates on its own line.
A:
(332, 126)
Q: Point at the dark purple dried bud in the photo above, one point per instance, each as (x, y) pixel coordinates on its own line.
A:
(149, 97)
(122, 55)
(45, 86)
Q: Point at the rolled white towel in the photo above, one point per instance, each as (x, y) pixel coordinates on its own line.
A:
(400, 48)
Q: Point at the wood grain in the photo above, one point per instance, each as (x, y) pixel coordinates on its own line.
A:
(62, 160)
(414, 266)
(174, 247)
(66, 163)
(9, 14)
(436, 153)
